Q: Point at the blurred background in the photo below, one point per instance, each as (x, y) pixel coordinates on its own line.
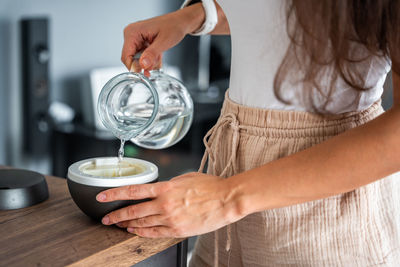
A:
(54, 58)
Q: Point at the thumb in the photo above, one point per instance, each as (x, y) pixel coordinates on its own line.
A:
(152, 55)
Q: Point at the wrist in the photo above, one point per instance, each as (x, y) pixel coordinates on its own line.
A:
(235, 198)
(251, 192)
(192, 17)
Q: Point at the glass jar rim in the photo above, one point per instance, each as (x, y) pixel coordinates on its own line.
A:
(104, 97)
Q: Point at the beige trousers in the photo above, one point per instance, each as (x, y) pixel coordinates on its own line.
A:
(358, 228)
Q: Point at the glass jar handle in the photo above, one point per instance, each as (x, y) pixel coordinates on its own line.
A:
(135, 66)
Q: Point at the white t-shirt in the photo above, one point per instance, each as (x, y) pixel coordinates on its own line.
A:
(259, 43)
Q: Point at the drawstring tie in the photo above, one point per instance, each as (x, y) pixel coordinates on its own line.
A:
(228, 119)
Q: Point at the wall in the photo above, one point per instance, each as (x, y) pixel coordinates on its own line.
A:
(83, 35)
(4, 90)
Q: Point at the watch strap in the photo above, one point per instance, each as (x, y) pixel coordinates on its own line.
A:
(211, 17)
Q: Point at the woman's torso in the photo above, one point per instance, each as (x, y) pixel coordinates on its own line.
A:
(259, 43)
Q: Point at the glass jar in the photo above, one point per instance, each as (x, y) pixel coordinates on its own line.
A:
(154, 112)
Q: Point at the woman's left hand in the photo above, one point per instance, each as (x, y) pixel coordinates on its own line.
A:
(188, 205)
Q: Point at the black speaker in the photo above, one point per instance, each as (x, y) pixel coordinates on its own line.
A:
(35, 57)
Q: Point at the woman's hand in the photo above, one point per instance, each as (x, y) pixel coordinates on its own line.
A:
(156, 35)
(190, 204)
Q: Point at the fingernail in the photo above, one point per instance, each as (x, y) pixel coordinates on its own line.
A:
(146, 62)
(130, 229)
(101, 197)
(105, 220)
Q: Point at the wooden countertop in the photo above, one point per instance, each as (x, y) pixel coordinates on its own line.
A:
(56, 233)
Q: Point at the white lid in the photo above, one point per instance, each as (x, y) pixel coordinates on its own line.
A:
(149, 174)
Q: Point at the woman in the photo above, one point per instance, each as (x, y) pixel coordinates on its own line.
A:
(302, 162)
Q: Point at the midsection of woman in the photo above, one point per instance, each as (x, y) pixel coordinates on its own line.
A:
(301, 188)
(259, 44)
(255, 128)
(358, 228)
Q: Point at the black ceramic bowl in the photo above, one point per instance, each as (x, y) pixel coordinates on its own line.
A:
(86, 180)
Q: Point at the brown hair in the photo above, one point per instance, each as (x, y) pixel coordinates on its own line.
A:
(323, 34)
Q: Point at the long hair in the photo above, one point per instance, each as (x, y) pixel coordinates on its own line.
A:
(324, 34)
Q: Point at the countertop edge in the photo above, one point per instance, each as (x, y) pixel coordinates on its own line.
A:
(129, 252)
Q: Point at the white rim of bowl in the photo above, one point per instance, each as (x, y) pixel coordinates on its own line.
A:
(149, 175)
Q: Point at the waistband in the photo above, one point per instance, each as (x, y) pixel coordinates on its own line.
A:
(290, 123)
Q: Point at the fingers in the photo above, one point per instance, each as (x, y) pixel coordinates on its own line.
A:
(135, 40)
(152, 56)
(135, 66)
(149, 221)
(156, 67)
(129, 49)
(153, 232)
(132, 212)
(130, 192)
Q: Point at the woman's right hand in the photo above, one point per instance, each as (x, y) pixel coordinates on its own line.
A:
(156, 35)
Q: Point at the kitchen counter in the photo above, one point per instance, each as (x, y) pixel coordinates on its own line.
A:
(56, 233)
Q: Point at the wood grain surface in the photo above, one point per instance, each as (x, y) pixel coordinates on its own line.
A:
(56, 233)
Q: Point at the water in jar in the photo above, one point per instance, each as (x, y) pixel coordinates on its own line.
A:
(168, 127)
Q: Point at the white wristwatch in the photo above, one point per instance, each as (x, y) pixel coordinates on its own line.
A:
(211, 17)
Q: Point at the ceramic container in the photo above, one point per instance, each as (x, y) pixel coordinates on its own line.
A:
(89, 177)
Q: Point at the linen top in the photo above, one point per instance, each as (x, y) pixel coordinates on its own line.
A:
(259, 42)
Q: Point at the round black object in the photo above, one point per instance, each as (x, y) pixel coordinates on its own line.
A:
(84, 197)
(21, 189)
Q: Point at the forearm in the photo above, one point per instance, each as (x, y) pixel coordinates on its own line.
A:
(341, 164)
(192, 17)
(222, 28)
